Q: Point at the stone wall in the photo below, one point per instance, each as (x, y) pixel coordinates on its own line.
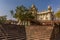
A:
(32, 32)
(55, 35)
(39, 32)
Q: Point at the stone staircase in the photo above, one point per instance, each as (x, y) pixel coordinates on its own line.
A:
(32, 32)
(12, 32)
(1, 35)
(39, 32)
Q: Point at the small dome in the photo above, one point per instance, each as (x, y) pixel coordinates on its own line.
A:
(49, 7)
(33, 6)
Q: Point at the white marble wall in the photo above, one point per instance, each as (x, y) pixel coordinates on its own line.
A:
(46, 16)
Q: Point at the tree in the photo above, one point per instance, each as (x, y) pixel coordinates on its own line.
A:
(57, 14)
(12, 12)
(3, 19)
(22, 14)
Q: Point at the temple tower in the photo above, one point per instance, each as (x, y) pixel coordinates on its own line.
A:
(33, 10)
(49, 8)
(50, 12)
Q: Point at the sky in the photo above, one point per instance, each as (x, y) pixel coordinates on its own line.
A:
(7, 5)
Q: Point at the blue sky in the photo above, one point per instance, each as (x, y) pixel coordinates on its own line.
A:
(7, 5)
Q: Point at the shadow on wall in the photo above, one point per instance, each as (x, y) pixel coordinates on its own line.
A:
(56, 32)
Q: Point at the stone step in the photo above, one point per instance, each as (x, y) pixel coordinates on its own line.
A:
(2, 37)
